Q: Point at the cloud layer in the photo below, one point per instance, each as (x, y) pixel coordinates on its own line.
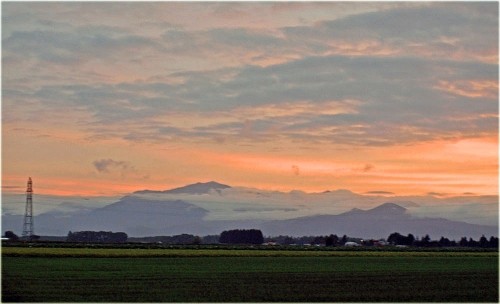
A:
(142, 83)
(377, 78)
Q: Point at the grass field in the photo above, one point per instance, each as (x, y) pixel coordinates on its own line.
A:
(134, 275)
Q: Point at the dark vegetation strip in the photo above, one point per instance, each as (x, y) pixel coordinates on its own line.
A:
(232, 251)
(47, 244)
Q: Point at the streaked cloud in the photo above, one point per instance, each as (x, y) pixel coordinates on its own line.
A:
(106, 165)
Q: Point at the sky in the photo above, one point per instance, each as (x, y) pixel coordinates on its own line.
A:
(103, 98)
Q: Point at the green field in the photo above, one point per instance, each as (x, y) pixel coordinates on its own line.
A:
(183, 275)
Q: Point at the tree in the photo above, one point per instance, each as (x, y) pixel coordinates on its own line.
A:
(493, 242)
(288, 240)
(332, 240)
(398, 239)
(483, 241)
(319, 240)
(197, 240)
(426, 240)
(410, 239)
(395, 238)
(473, 243)
(241, 236)
(11, 236)
(444, 242)
(343, 240)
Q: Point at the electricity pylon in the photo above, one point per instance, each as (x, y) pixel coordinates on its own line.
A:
(28, 229)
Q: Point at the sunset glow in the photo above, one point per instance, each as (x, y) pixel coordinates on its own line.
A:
(370, 97)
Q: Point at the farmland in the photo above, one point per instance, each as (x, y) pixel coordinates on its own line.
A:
(245, 275)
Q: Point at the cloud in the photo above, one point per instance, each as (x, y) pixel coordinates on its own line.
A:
(74, 47)
(368, 167)
(12, 188)
(473, 88)
(109, 165)
(360, 101)
(437, 194)
(475, 212)
(53, 203)
(377, 192)
(443, 30)
(264, 209)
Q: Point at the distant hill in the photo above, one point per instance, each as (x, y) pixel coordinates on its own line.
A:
(139, 217)
(170, 212)
(198, 188)
(376, 223)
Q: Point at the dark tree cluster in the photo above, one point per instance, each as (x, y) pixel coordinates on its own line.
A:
(398, 239)
(210, 239)
(483, 242)
(241, 236)
(180, 239)
(331, 240)
(97, 237)
(11, 236)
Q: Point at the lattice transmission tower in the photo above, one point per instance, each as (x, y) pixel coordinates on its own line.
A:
(28, 228)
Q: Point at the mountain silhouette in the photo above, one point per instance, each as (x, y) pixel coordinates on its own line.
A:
(384, 210)
(140, 214)
(198, 188)
(376, 223)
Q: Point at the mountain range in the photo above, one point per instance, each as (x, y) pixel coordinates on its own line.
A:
(149, 213)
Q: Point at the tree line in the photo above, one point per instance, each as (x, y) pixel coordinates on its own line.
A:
(409, 240)
(180, 239)
(255, 236)
(97, 237)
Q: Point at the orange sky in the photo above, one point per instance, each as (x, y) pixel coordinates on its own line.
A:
(450, 167)
(307, 96)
